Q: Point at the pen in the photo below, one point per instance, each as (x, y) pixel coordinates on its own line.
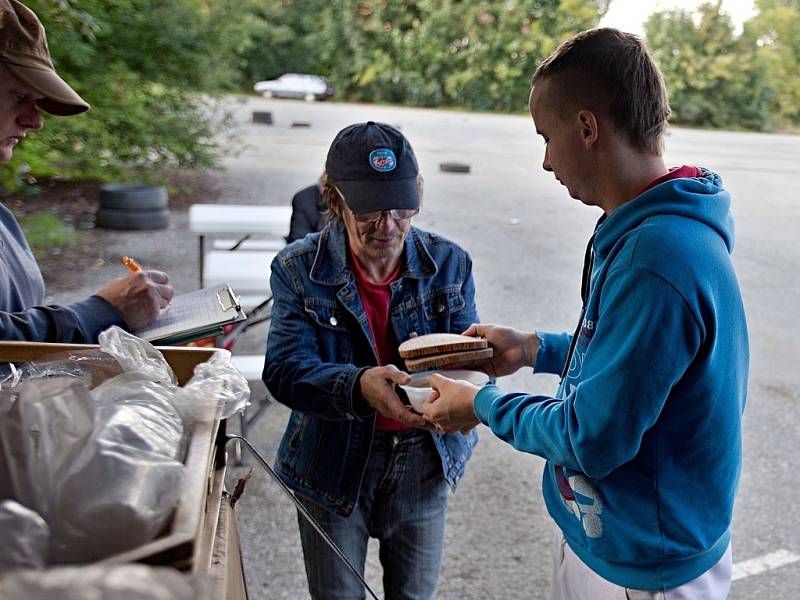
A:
(134, 266)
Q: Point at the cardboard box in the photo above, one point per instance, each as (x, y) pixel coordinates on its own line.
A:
(185, 543)
(182, 360)
(226, 570)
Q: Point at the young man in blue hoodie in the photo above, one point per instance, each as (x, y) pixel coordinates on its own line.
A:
(643, 437)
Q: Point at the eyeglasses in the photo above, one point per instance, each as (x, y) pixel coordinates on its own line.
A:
(398, 214)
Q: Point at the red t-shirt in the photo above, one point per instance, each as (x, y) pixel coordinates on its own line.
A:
(375, 298)
(674, 173)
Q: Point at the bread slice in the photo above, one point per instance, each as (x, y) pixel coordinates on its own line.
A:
(439, 343)
(450, 359)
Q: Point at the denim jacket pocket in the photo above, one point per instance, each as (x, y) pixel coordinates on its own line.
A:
(443, 302)
(326, 314)
(334, 338)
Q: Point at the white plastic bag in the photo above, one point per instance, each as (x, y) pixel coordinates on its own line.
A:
(215, 383)
(219, 378)
(121, 582)
(25, 538)
(105, 468)
(46, 426)
(123, 485)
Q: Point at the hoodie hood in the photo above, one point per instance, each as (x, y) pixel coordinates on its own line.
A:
(699, 198)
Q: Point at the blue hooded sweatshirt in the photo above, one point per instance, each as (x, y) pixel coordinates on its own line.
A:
(643, 439)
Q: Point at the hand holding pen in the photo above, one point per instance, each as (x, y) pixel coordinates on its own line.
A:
(131, 263)
(140, 296)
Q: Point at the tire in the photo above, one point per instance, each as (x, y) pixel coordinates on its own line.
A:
(131, 219)
(262, 117)
(132, 196)
(454, 167)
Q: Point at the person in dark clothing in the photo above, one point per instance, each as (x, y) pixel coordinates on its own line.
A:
(307, 213)
(28, 82)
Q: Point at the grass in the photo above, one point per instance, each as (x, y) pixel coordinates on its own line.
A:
(45, 231)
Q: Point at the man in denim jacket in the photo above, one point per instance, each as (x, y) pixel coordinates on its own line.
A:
(363, 463)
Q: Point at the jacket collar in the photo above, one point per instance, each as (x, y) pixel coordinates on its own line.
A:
(330, 263)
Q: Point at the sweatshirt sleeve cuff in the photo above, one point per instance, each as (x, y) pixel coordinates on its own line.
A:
(553, 348)
(484, 400)
(95, 315)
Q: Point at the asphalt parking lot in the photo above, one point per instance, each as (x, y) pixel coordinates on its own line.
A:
(526, 237)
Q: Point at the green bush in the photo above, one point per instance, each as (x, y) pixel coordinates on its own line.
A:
(715, 79)
(469, 53)
(151, 70)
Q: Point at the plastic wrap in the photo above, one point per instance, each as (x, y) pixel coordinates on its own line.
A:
(121, 488)
(90, 366)
(105, 468)
(219, 378)
(123, 582)
(215, 383)
(48, 423)
(25, 538)
(6, 488)
(136, 355)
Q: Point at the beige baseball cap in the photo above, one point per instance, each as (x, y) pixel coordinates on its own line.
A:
(24, 51)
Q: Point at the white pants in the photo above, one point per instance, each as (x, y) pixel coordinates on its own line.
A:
(573, 580)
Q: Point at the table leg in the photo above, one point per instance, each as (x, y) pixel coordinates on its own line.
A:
(202, 257)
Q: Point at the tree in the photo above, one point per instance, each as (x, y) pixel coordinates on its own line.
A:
(714, 78)
(472, 53)
(775, 31)
(150, 69)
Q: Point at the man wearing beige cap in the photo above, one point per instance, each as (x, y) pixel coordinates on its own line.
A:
(28, 82)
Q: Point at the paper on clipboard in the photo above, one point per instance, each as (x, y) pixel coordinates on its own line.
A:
(195, 315)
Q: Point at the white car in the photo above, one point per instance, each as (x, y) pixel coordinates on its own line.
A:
(295, 85)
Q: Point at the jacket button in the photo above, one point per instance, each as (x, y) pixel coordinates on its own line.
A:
(413, 334)
(439, 308)
(333, 321)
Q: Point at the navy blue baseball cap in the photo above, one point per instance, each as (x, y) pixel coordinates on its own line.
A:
(374, 167)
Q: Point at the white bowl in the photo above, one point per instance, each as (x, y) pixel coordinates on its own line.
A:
(420, 388)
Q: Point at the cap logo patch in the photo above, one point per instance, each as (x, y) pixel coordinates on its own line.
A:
(382, 160)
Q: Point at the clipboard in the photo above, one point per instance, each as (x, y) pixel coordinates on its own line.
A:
(195, 315)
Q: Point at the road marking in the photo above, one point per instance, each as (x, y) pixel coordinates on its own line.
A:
(760, 564)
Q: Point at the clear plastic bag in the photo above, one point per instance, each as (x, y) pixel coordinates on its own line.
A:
(25, 538)
(7, 399)
(105, 468)
(136, 355)
(122, 486)
(215, 383)
(90, 366)
(120, 582)
(219, 378)
(47, 424)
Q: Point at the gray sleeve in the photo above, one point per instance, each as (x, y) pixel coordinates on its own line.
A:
(78, 323)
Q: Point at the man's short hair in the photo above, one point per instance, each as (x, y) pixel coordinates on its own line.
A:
(611, 71)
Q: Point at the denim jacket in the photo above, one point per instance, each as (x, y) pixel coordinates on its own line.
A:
(319, 342)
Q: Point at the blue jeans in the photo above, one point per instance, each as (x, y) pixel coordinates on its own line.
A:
(402, 503)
